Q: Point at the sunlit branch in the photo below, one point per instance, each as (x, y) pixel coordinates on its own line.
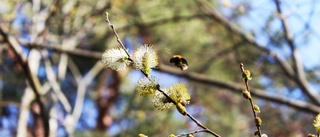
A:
(85, 81)
(246, 81)
(32, 80)
(54, 83)
(115, 33)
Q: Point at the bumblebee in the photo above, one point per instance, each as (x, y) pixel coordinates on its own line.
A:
(180, 62)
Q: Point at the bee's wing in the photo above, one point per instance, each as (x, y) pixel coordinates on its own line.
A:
(169, 51)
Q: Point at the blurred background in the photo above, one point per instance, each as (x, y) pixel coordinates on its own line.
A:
(52, 82)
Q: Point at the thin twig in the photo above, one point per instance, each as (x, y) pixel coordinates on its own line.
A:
(250, 99)
(202, 126)
(115, 33)
(188, 133)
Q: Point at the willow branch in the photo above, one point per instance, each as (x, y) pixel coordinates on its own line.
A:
(200, 125)
(188, 114)
(115, 32)
(246, 81)
(158, 86)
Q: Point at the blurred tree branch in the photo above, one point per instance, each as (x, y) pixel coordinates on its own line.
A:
(85, 81)
(76, 51)
(201, 79)
(54, 84)
(107, 97)
(238, 89)
(295, 74)
(299, 76)
(6, 103)
(24, 112)
(32, 79)
(165, 21)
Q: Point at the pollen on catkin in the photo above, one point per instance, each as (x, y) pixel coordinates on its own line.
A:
(146, 86)
(179, 93)
(115, 58)
(316, 123)
(145, 58)
(160, 101)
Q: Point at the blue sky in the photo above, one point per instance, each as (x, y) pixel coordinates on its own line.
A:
(298, 12)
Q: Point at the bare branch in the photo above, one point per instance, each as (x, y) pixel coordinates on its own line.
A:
(76, 51)
(32, 80)
(298, 67)
(215, 15)
(75, 71)
(202, 126)
(82, 89)
(238, 89)
(219, 55)
(7, 103)
(284, 65)
(115, 32)
(187, 113)
(54, 84)
(26, 100)
(202, 79)
(53, 119)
